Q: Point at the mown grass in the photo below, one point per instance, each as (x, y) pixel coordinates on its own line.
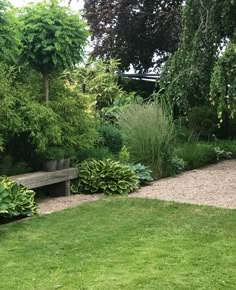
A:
(121, 243)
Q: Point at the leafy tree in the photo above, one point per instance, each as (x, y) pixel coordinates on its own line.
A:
(53, 38)
(76, 113)
(100, 81)
(223, 83)
(133, 31)
(22, 114)
(69, 119)
(9, 33)
(207, 26)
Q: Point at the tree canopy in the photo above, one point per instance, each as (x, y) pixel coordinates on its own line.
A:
(53, 38)
(208, 25)
(9, 32)
(223, 84)
(134, 30)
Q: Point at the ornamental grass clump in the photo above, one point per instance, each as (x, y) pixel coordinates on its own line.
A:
(105, 176)
(149, 135)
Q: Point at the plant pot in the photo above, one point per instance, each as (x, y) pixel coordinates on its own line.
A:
(50, 165)
(60, 164)
(66, 163)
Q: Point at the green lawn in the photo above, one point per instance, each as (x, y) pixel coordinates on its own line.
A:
(121, 243)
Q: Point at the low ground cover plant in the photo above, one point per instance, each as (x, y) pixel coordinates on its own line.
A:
(15, 199)
(176, 165)
(198, 154)
(143, 173)
(107, 176)
(227, 146)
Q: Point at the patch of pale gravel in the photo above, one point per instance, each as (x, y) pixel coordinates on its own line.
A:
(52, 204)
(214, 185)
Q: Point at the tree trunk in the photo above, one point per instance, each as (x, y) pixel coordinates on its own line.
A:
(46, 87)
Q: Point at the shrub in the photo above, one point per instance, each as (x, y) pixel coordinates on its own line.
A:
(177, 165)
(124, 155)
(143, 172)
(111, 138)
(203, 121)
(53, 152)
(227, 146)
(107, 176)
(96, 153)
(76, 115)
(196, 154)
(221, 154)
(16, 200)
(183, 132)
(149, 134)
(8, 167)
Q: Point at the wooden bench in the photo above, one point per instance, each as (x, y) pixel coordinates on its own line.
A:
(57, 182)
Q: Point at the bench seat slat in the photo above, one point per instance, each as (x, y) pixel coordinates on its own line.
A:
(42, 178)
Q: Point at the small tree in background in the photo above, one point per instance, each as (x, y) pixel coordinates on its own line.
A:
(53, 38)
(134, 31)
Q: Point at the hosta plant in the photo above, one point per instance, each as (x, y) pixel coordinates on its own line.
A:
(107, 176)
(15, 199)
(143, 172)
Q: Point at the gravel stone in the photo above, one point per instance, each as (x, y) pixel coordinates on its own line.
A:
(213, 185)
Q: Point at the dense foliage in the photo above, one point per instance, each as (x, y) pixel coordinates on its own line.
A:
(9, 32)
(107, 176)
(99, 78)
(207, 26)
(133, 31)
(88, 106)
(198, 154)
(223, 83)
(97, 153)
(53, 38)
(16, 200)
(10, 167)
(203, 121)
(76, 113)
(22, 114)
(111, 138)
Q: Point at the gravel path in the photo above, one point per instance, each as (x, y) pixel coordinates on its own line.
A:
(53, 204)
(214, 185)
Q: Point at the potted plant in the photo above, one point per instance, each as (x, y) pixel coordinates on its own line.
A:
(53, 157)
(60, 158)
(68, 154)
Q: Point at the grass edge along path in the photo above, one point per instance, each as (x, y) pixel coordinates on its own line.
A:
(121, 243)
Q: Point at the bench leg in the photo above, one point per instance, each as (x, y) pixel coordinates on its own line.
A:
(59, 189)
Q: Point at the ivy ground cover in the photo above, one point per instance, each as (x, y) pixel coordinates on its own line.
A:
(121, 243)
